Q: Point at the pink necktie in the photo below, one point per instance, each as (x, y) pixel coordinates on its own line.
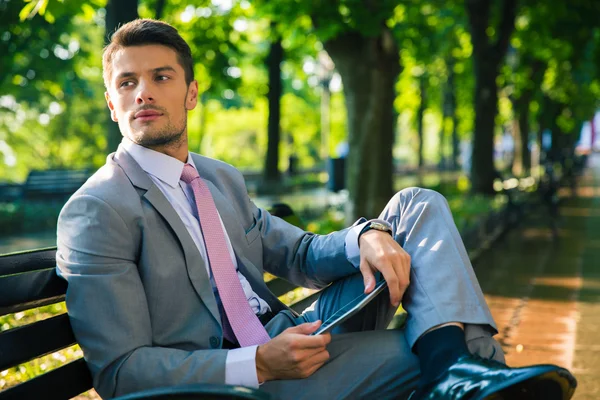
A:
(243, 322)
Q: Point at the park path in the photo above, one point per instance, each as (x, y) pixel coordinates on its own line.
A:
(545, 294)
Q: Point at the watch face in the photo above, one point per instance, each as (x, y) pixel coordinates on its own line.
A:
(380, 227)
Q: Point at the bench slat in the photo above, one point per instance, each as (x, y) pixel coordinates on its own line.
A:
(25, 343)
(280, 286)
(62, 383)
(27, 261)
(29, 290)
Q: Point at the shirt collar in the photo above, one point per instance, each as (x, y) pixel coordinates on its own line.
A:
(160, 165)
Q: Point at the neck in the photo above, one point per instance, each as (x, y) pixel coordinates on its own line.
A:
(177, 149)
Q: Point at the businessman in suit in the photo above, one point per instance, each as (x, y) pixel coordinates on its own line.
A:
(164, 254)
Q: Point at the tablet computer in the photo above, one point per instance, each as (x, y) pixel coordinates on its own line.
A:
(350, 309)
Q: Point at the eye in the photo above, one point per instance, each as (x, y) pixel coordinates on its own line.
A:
(162, 78)
(125, 84)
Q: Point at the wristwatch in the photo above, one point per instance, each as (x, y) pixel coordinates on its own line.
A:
(377, 224)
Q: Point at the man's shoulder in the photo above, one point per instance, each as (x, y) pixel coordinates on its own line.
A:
(217, 171)
(208, 163)
(109, 184)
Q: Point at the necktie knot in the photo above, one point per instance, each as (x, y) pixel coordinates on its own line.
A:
(189, 173)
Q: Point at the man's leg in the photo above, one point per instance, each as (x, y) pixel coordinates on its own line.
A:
(379, 313)
(363, 365)
(443, 286)
(382, 362)
(377, 363)
(443, 290)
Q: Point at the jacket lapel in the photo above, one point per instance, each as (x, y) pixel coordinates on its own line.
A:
(253, 274)
(229, 216)
(195, 264)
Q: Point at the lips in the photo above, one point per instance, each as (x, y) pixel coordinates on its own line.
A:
(147, 114)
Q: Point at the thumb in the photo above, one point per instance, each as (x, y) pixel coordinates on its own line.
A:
(306, 328)
(368, 277)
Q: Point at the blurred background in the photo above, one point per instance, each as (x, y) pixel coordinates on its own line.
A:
(329, 107)
(352, 98)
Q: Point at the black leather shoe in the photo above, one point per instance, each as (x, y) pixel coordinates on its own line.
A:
(475, 378)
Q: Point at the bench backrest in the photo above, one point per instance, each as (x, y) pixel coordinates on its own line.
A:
(28, 280)
(54, 183)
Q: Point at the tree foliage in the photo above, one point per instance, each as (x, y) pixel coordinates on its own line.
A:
(440, 64)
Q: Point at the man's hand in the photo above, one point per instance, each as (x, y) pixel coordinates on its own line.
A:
(292, 354)
(380, 252)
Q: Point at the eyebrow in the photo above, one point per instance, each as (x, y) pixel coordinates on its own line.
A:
(123, 75)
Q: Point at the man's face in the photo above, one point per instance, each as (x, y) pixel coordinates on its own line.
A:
(147, 95)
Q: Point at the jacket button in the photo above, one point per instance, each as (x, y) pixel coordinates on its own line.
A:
(214, 342)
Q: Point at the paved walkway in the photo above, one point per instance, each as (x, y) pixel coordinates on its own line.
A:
(545, 294)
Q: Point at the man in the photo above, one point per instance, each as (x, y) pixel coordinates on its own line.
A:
(164, 255)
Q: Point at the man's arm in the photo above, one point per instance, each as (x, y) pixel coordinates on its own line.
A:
(108, 309)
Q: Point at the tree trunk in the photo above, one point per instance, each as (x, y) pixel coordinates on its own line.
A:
(369, 68)
(487, 57)
(421, 116)
(521, 107)
(452, 113)
(483, 171)
(520, 141)
(118, 12)
(448, 113)
(159, 9)
(272, 174)
(442, 140)
(524, 129)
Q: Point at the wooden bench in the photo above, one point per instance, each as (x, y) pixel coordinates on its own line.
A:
(28, 280)
(53, 184)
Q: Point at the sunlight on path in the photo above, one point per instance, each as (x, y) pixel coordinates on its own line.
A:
(545, 295)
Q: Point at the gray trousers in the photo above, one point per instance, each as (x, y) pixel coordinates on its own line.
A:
(367, 360)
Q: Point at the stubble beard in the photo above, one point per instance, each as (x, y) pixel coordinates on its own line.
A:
(168, 136)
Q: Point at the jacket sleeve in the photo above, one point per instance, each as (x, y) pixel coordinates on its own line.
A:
(303, 258)
(108, 309)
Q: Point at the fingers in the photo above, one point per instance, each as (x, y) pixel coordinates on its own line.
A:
(368, 277)
(384, 254)
(397, 275)
(305, 329)
(310, 365)
(301, 339)
(393, 282)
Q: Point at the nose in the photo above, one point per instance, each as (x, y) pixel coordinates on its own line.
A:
(144, 94)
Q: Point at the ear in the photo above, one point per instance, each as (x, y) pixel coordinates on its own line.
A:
(192, 96)
(111, 106)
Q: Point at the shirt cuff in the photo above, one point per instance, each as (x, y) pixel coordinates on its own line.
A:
(352, 249)
(240, 367)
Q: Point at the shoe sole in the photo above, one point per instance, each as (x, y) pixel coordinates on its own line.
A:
(553, 385)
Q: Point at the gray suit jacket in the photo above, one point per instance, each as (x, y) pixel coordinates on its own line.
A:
(139, 297)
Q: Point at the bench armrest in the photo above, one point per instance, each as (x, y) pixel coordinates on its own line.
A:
(198, 392)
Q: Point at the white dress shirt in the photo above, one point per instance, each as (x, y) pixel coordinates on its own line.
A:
(165, 172)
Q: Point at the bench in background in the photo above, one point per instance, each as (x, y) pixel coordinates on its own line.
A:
(53, 184)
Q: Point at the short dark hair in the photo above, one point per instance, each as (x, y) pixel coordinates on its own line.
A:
(144, 32)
